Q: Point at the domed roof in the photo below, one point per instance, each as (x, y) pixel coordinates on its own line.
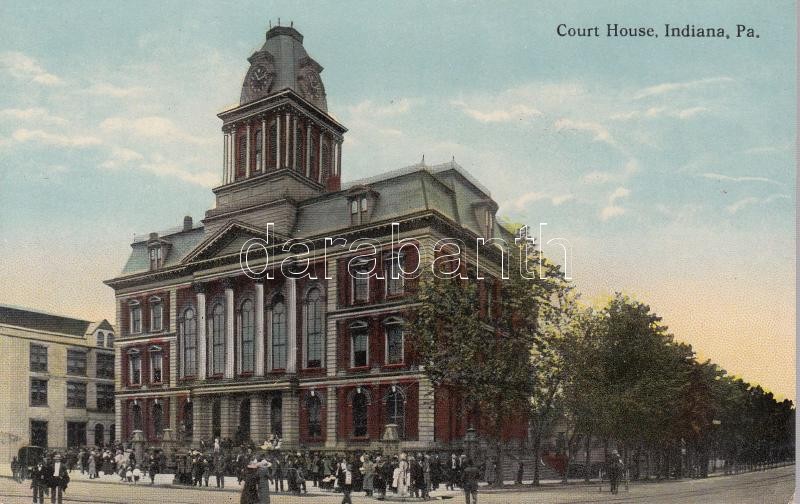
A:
(282, 63)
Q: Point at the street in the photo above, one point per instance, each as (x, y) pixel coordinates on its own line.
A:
(773, 486)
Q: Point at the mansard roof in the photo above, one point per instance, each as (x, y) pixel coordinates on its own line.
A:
(446, 189)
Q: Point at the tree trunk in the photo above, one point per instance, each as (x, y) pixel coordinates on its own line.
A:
(537, 443)
(587, 474)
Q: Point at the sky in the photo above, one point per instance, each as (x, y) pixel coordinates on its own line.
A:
(668, 164)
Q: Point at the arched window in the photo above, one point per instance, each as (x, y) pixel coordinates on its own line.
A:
(216, 419)
(360, 415)
(242, 155)
(278, 333)
(325, 161)
(396, 410)
(156, 364)
(156, 314)
(188, 420)
(157, 415)
(273, 145)
(247, 327)
(313, 328)
(99, 435)
(137, 422)
(101, 339)
(134, 367)
(276, 415)
(257, 148)
(217, 335)
(244, 421)
(359, 344)
(314, 405)
(299, 148)
(188, 335)
(393, 328)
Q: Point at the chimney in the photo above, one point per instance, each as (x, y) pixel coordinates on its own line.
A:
(187, 223)
(153, 236)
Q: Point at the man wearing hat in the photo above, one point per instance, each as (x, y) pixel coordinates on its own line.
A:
(57, 479)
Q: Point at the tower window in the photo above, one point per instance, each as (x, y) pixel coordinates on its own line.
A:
(240, 167)
(325, 161)
(258, 150)
(299, 148)
(273, 145)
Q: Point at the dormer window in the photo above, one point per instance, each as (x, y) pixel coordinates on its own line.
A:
(135, 317)
(359, 208)
(156, 314)
(155, 257)
(101, 339)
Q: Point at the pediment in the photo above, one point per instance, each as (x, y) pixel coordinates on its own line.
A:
(227, 241)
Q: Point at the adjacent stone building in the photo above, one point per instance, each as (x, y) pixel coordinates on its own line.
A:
(57, 376)
(323, 358)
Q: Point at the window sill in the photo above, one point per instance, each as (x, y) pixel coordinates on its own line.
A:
(358, 369)
(218, 376)
(134, 385)
(394, 366)
(246, 374)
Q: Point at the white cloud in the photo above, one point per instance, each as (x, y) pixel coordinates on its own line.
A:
(612, 209)
(106, 89)
(669, 87)
(25, 135)
(750, 200)
(37, 114)
(727, 178)
(168, 169)
(23, 67)
(393, 108)
(521, 202)
(120, 156)
(657, 112)
(597, 177)
(600, 132)
(152, 127)
(515, 112)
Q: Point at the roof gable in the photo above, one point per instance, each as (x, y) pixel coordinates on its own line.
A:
(226, 241)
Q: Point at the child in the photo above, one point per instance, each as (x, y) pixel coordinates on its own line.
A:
(129, 475)
(137, 473)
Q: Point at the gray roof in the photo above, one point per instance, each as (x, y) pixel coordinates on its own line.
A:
(283, 63)
(31, 319)
(446, 188)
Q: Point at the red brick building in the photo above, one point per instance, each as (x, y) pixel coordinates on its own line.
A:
(324, 359)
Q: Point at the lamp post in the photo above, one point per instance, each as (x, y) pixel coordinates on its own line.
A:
(470, 439)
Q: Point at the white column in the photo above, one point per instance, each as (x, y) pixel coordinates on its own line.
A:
(201, 334)
(319, 159)
(263, 145)
(278, 143)
(259, 371)
(225, 158)
(288, 137)
(229, 343)
(233, 155)
(308, 150)
(294, 143)
(247, 154)
(291, 325)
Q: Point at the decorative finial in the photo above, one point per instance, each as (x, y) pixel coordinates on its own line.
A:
(270, 24)
(423, 158)
(279, 21)
(291, 24)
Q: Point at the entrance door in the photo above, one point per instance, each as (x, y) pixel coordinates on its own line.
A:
(76, 434)
(39, 433)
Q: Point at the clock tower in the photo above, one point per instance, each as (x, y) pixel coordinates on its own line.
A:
(280, 145)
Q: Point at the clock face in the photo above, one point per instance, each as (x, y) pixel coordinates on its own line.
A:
(259, 78)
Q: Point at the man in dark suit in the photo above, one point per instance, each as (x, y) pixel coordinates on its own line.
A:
(470, 482)
(38, 482)
(57, 479)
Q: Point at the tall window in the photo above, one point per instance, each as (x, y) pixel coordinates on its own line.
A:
(156, 314)
(136, 317)
(217, 333)
(134, 368)
(242, 157)
(157, 416)
(396, 410)
(359, 344)
(394, 341)
(395, 280)
(38, 358)
(276, 415)
(247, 325)
(314, 416)
(299, 148)
(312, 159)
(325, 161)
(105, 366)
(188, 420)
(313, 328)
(360, 281)
(76, 434)
(156, 364)
(105, 397)
(278, 334)
(76, 362)
(258, 150)
(273, 145)
(188, 331)
(359, 414)
(38, 392)
(137, 421)
(101, 339)
(76, 395)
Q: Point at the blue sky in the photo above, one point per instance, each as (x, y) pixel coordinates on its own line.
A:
(667, 163)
